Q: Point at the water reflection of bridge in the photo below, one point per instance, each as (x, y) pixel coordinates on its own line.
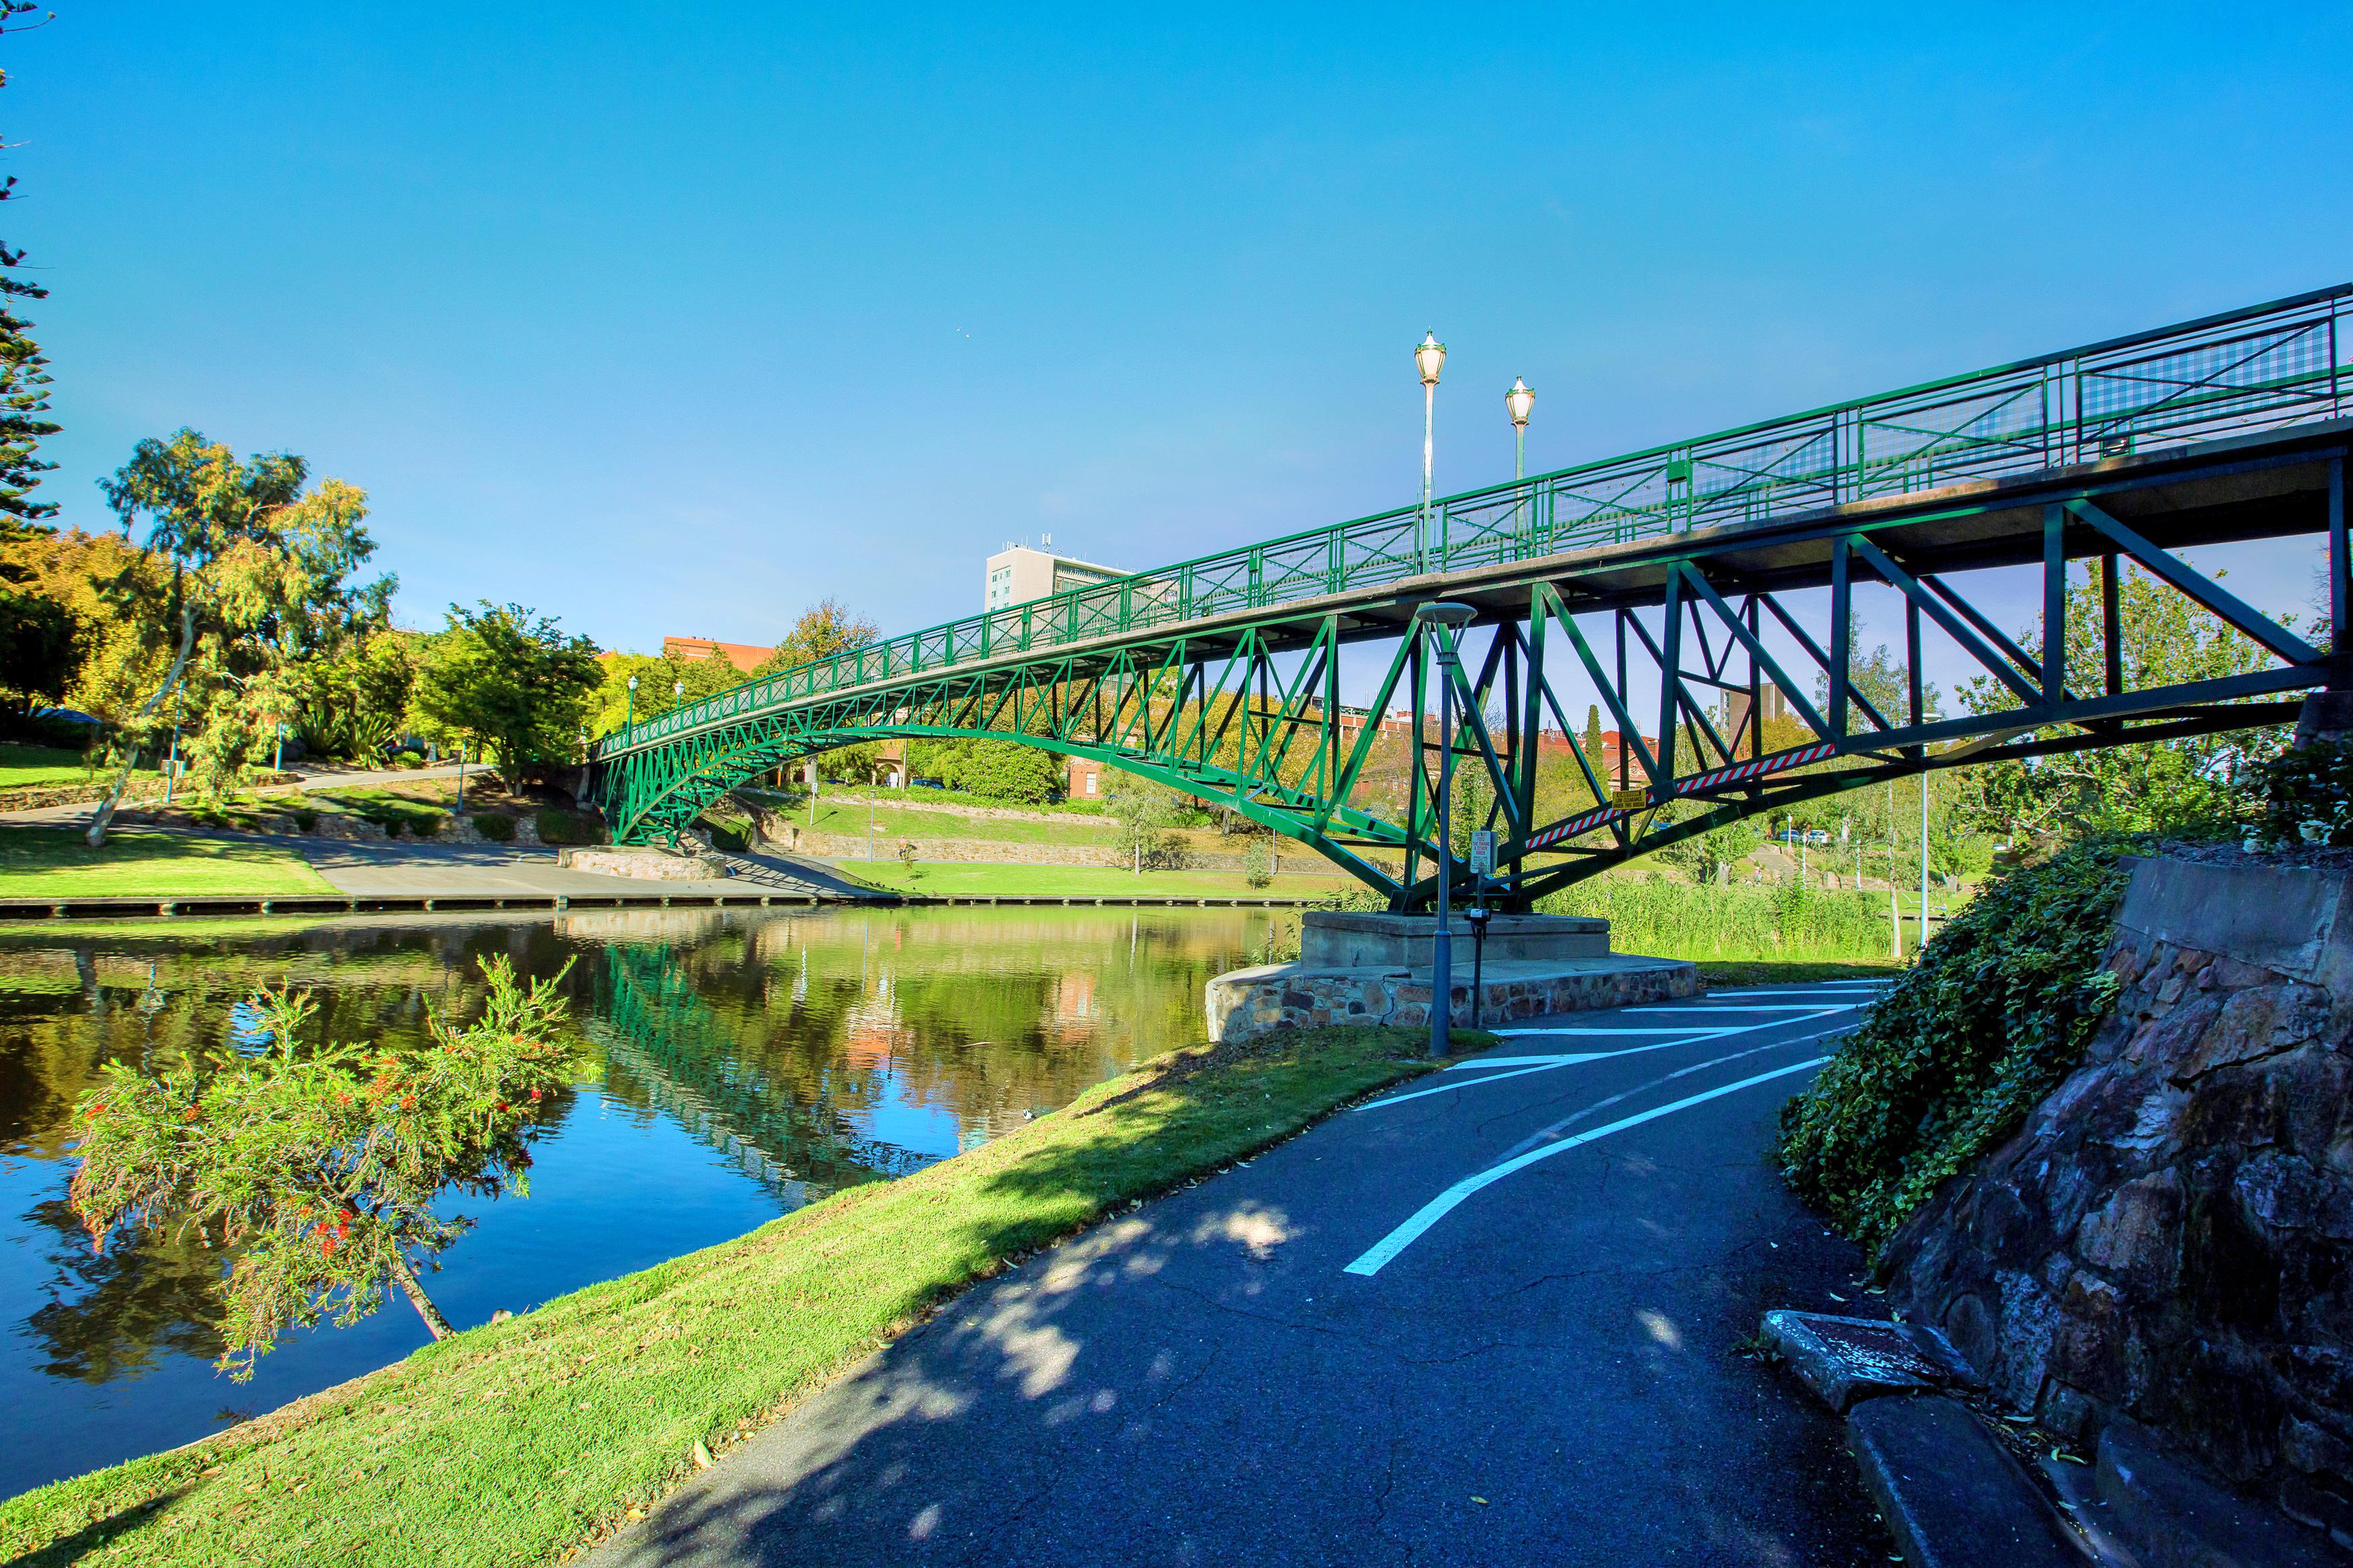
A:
(660, 1033)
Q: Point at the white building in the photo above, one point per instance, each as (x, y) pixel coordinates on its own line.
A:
(1018, 573)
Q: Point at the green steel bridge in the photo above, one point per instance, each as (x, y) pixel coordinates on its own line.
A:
(1651, 584)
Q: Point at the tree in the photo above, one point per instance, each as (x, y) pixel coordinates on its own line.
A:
(511, 683)
(116, 659)
(251, 573)
(40, 652)
(1710, 856)
(23, 370)
(2184, 784)
(353, 703)
(313, 1169)
(1592, 747)
(1143, 812)
(826, 628)
(1007, 771)
(658, 680)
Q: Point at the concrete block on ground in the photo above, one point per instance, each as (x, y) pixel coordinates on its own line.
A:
(1245, 1003)
(2172, 1517)
(1950, 1491)
(645, 865)
(1345, 939)
(1845, 1360)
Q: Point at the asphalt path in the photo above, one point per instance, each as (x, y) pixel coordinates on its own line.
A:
(1491, 1317)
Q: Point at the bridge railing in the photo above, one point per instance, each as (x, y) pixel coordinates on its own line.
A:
(2243, 372)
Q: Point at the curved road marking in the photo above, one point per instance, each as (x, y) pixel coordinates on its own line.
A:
(1437, 1208)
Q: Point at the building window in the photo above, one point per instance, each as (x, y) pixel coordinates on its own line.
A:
(1090, 783)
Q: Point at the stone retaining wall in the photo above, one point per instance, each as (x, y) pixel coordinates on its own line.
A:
(2169, 1238)
(645, 865)
(1244, 1002)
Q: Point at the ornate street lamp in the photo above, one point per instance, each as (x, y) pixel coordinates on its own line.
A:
(1429, 359)
(632, 713)
(1519, 400)
(1443, 619)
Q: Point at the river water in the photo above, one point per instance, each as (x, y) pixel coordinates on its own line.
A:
(742, 1063)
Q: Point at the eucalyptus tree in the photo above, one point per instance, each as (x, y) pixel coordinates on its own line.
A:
(249, 569)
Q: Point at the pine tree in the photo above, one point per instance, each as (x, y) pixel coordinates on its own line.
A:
(24, 370)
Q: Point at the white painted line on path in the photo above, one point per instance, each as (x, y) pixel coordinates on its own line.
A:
(1520, 1067)
(1438, 1207)
(1656, 1030)
(1701, 1007)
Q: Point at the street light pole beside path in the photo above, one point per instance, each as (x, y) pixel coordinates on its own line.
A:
(1444, 618)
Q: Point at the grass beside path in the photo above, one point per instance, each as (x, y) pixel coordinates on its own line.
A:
(516, 1442)
(53, 863)
(942, 879)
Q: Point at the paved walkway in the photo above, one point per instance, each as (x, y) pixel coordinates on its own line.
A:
(1490, 1318)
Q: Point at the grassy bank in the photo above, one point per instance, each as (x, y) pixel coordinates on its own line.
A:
(942, 879)
(513, 1443)
(53, 863)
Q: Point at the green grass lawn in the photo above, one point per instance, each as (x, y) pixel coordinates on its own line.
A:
(517, 1442)
(53, 863)
(49, 767)
(941, 879)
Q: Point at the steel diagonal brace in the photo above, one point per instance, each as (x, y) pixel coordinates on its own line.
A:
(1755, 646)
(1630, 733)
(1955, 628)
(1814, 651)
(2241, 616)
(1692, 710)
(1475, 720)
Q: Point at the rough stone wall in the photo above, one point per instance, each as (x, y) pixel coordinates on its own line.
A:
(2169, 1238)
(1245, 1003)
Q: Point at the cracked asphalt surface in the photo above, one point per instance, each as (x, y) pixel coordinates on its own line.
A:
(1548, 1374)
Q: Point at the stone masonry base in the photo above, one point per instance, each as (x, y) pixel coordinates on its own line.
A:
(1246, 1003)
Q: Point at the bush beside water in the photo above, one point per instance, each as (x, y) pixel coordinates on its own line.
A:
(1997, 1010)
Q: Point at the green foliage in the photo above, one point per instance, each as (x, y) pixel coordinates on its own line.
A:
(1784, 920)
(511, 683)
(24, 372)
(40, 652)
(2304, 796)
(313, 1169)
(2178, 787)
(247, 576)
(824, 628)
(353, 703)
(1710, 856)
(557, 826)
(1989, 1019)
(1142, 813)
(492, 826)
(1004, 771)
(1257, 861)
(663, 683)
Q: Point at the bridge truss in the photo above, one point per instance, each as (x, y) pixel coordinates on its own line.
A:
(1654, 586)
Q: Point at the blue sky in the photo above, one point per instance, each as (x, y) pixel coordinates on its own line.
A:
(677, 319)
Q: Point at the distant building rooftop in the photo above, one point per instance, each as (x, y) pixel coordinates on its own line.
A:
(1018, 573)
(745, 656)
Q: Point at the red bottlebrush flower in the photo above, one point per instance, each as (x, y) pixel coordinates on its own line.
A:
(407, 1102)
(96, 1109)
(534, 1094)
(189, 1114)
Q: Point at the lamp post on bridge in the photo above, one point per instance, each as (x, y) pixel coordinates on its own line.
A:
(1444, 618)
(1519, 401)
(631, 713)
(1429, 359)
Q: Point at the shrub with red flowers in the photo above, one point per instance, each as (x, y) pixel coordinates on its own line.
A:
(312, 1168)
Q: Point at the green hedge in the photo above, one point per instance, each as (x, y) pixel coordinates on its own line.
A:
(557, 826)
(1991, 1017)
(498, 829)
